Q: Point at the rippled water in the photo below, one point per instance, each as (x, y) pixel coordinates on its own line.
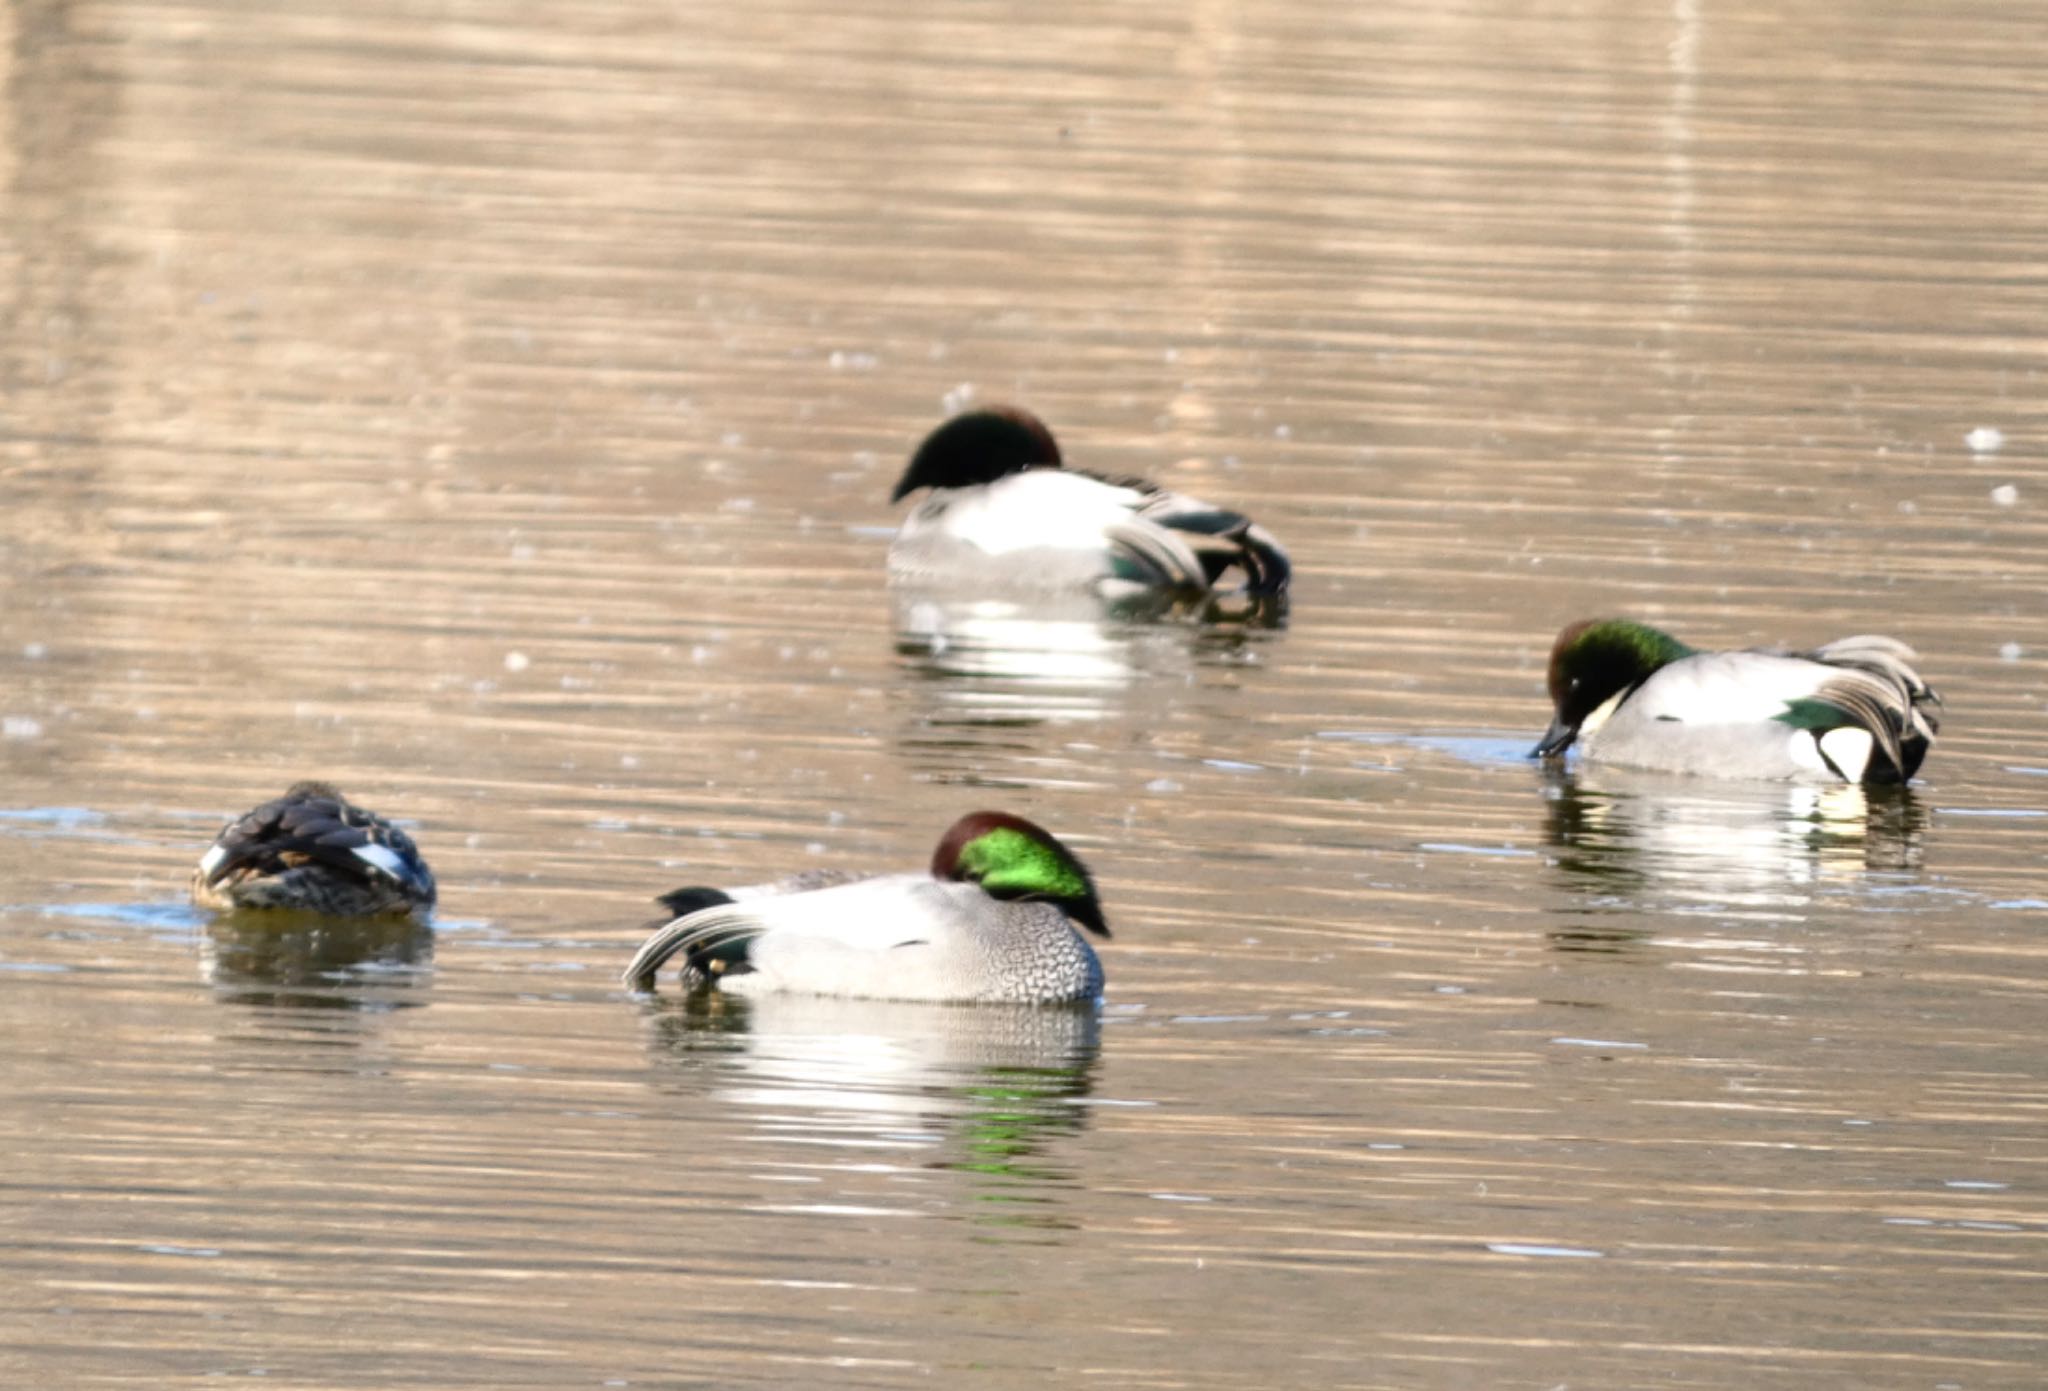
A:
(491, 408)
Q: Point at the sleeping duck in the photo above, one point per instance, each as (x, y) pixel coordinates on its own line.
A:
(999, 504)
(993, 920)
(314, 851)
(1626, 693)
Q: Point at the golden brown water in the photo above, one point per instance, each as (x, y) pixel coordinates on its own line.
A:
(492, 408)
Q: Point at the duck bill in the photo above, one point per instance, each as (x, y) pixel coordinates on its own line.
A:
(1556, 740)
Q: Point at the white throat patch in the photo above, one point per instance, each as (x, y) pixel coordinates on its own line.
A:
(1589, 726)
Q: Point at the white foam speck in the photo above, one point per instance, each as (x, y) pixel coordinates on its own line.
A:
(517, 661)
(2010, 651)
(2005, 495)
(1985, 439)
(20, 727)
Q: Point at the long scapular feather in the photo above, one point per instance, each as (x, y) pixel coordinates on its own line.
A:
(1881, 690)
(1161, 553)
(702, 934)
(1889, 660)
(1221, 539)
(1873, 706)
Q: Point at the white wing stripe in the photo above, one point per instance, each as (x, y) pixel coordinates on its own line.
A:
(383, 859)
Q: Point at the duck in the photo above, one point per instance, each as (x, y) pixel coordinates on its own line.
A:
(993, 920)
(314, 851)
(1001, 504)
(1852, 711)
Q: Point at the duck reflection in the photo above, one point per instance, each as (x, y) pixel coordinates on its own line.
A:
(309, 962)
(978, 1089)
(1008, 660)
(1632, 843)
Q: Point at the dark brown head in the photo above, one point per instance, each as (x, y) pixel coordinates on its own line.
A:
(979, 447)
(312, 790)
(1592, 662)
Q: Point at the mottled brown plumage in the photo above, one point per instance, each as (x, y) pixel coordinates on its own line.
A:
(312, 850)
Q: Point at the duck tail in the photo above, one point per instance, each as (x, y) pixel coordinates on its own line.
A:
(713, 937)
(1266, 567)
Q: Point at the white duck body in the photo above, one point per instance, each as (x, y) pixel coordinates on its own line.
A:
(1002, 510)
(1719, 711)
(897, 936)
(1045, 528)
(1852, 710)
(904, 937)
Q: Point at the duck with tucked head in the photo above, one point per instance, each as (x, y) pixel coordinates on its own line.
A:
(1855, 710)
(314, 851)
(992, 921)
(1001, 505)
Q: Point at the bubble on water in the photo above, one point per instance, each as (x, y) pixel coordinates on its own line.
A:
(1985, 439)
(2005, 495)
(2010, 651)
(34, 651)
(517, 661)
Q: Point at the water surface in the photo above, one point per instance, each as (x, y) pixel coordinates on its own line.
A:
(492, 409)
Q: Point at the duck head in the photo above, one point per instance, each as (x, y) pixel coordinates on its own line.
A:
(313, 790)
(978, 447)
(1592, 665)
(1010, 858)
